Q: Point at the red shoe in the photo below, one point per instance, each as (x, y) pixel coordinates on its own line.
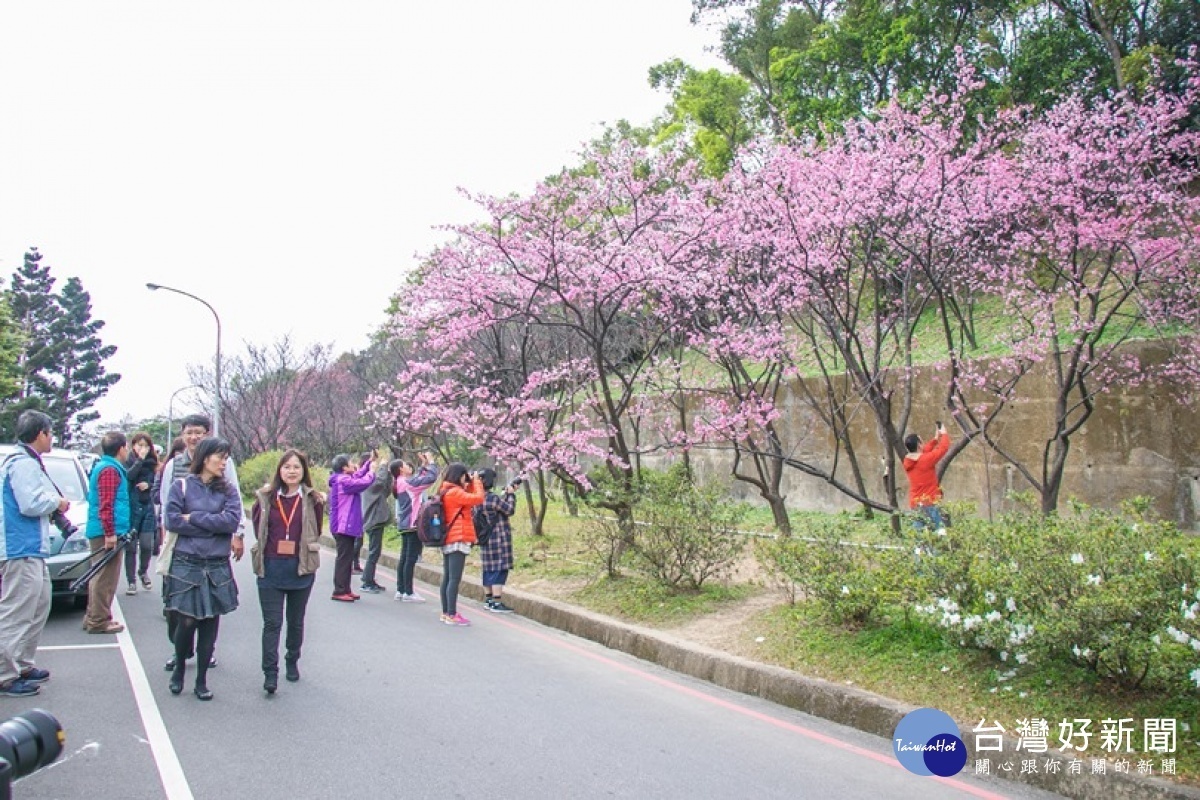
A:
(355, 596)
(344, 598)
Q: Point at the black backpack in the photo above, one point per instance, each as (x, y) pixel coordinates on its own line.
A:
(485, 523)
(431, 522)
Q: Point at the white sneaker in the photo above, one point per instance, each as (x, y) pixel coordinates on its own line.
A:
(400, 595)
(412, 598)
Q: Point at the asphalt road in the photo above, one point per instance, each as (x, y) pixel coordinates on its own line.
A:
(394, 704)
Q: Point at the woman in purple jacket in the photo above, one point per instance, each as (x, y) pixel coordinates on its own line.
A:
(204, 510)
(346, 486)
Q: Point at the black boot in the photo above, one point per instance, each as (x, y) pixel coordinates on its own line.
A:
(291, 671)
(176, 683)
(271, 681)
(201, 689)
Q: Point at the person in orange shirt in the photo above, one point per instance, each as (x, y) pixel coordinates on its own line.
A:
(920, 463)
(461, 491)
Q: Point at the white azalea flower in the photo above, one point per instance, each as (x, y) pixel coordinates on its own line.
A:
(1076, 558)
(1093, 580)
(1010, 604)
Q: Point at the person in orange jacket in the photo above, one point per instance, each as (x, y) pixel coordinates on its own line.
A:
(920, 463)
(461, 490)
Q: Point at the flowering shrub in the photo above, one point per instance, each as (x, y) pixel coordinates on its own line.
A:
(1099, 589)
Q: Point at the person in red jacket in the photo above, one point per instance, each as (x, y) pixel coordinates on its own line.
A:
(461, 491)
(924, 491)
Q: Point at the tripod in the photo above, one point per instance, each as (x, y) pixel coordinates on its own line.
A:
(108, 556)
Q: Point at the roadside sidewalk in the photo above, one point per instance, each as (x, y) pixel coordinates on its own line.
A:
(843, 704)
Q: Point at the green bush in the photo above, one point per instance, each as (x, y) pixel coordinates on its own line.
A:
(1097, 589)
(689, 535)
(678, 534)
(849, 581)
(257, 471)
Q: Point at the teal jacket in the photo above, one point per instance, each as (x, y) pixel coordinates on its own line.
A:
(121, 515)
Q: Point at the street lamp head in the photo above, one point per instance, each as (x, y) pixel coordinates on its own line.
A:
(152, 286)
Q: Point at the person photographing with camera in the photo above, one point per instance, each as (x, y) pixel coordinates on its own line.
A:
(924, 491)
(461, 490)
(496, 549)
(28, 502)
(409, 488)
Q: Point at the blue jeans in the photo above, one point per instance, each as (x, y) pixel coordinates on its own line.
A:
(928, 515)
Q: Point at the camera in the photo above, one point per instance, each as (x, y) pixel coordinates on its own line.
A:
(517, 481)
(64, 525)
(28, 742)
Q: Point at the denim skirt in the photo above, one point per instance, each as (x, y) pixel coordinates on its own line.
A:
(200, 587)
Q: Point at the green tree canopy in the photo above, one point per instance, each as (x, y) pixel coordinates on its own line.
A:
(60, 360)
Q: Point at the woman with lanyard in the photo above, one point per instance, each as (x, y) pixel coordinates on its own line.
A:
(287, 517)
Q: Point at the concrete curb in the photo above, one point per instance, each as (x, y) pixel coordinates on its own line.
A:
(845, 705)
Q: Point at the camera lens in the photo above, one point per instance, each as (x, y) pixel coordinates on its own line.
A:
(30, 741)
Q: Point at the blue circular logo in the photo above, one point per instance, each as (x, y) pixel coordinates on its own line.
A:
(927, 742)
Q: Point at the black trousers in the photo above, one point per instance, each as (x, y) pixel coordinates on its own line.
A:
(452, 572)
(374, 537)
(344, 562)
(278, 605)
(410, 551)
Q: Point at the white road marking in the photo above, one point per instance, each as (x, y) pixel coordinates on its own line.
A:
(170, 771)
(108, 646)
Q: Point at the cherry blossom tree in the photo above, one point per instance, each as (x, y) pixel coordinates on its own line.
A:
(536, 323)
(1099, 249)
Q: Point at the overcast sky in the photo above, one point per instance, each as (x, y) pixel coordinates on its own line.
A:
(288, 162)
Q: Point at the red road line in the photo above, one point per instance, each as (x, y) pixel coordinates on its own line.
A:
(730, 706)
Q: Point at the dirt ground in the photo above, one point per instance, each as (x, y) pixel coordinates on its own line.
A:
(727, 629)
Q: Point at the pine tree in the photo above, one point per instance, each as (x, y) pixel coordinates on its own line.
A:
(60, 360)
(10, 352)
(35, 311)
(81, 376)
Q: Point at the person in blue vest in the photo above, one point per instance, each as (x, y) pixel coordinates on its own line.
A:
(108, 518)
(28, 502)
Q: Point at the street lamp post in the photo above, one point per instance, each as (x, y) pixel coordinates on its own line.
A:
(216, 394)
(171, 407)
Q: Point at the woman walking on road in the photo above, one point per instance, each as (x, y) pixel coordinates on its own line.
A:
(461, 491)
(287, 517)
(204, 510)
